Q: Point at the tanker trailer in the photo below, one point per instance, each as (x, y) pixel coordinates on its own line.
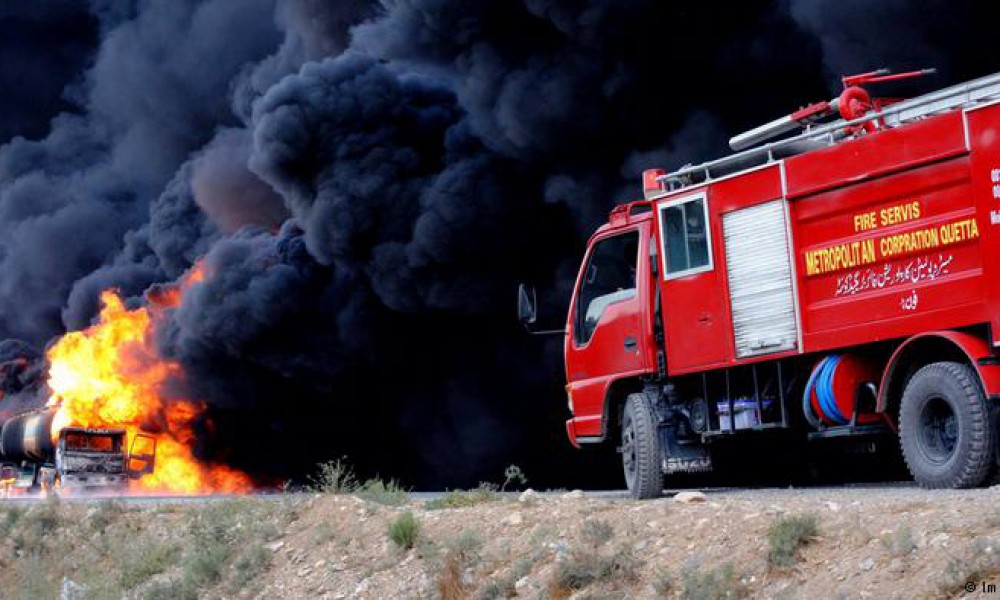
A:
(28, 437)
(26, 450)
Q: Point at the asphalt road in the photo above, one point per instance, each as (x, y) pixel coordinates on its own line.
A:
(140, 500)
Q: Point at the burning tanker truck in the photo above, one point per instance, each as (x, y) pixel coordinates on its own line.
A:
(89, 415)
(74, 458)
(840, 284)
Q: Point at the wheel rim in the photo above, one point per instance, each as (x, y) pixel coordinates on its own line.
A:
(628, 452)
(938, 431)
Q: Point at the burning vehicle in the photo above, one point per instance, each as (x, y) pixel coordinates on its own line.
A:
(100, 411)
(73, 459)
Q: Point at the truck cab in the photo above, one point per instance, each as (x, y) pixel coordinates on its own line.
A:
(90, 458)
(609, 327)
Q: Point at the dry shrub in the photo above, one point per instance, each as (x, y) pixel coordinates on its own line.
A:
(585, 567)
(463, 551)
(449, 584)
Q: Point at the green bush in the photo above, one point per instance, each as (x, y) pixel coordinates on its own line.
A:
(901, 543)
(486, 492)
(716, 584)
(106, 514)
(404, 531)
(596, 532)
(11, 516)
(389, 493)
(465, 547)
(33, 533)
(337, 477)
(204, 563)
(981, 565)
(43, 519)
(575, 573)
(787, 535)
(34, 580)
(505, 586)
(584, 568)
(137, 563)
(498, 589)
(250, 564)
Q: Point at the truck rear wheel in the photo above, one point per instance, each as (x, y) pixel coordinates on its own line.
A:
(641, 455)
(945, 427)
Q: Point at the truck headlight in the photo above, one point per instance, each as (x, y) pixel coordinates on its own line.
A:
(569, 399)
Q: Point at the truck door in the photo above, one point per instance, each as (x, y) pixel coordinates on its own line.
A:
(694, 302)
(605, 340)
(141, 457)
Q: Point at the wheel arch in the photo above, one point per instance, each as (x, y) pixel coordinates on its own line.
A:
(926, 348)
(614, 404)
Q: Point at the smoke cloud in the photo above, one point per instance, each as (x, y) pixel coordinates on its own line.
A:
(44, 48)
(366, 182)
(953, 37)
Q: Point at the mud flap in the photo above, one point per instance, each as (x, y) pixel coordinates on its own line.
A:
(682, 456)
(141, 456)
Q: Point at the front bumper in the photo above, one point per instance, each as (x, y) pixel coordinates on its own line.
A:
(571, 433)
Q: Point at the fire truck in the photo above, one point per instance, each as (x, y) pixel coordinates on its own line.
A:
(838, 276)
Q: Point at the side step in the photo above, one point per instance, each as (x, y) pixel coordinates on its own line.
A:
(850, 431)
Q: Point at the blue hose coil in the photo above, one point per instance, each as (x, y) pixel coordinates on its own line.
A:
(821, 380)
(806, 405)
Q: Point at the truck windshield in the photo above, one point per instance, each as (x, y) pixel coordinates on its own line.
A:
(85, 442)
(608, 279)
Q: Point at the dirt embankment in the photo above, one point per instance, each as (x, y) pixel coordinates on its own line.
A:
(849, 543)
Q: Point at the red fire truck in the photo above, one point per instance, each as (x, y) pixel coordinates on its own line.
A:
(843, 281)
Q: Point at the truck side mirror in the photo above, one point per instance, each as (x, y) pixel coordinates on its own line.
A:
(527, 311)
(527, 305)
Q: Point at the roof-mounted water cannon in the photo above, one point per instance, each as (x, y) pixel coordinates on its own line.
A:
(882, 76)
(853, 103)
(787, 124)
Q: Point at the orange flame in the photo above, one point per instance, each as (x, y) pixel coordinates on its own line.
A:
(110, 375)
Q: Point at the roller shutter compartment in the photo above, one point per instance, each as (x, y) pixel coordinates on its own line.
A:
(761, 287)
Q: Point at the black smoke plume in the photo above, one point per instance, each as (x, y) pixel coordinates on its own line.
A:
(44, 47)
(366, 182)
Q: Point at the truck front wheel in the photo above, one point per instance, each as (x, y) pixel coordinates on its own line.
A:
(641, 456)
(945, 427)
